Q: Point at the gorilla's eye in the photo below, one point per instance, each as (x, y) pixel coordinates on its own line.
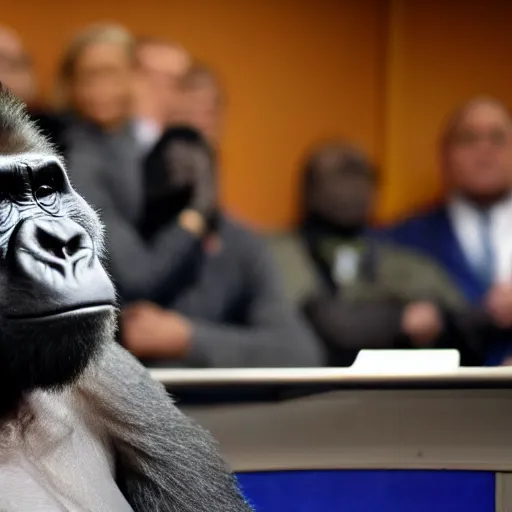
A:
(45, 195)
(47, 198)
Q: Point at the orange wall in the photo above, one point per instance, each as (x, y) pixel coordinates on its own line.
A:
(440, 54)
(383, 73)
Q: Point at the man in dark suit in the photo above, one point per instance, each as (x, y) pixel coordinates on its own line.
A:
(470, 234)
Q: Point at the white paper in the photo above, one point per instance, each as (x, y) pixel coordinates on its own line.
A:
(407, 361)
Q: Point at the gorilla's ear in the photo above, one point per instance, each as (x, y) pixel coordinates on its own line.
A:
(18, 133)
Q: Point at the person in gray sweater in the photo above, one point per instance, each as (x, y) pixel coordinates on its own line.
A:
(221, 303)
(197, 289)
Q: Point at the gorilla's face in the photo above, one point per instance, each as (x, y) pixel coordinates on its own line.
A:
(57, 303)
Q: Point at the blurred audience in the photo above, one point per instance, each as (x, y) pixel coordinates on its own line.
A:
(201, 289)
(470, 234)
(140, 125)
(160, 67)
(222, 303)
(359, 292)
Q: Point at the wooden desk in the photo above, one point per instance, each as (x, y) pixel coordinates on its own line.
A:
(365, 442)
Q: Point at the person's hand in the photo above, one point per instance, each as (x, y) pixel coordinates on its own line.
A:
(154, 332)
(191, 164)
(498, 304)
(422, 322)
(204, 198)
(199, 167)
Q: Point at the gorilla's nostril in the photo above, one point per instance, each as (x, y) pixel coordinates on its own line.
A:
(73, 245)
(60, 245)
(51, 243)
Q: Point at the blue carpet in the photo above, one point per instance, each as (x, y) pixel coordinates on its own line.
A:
(370, 491)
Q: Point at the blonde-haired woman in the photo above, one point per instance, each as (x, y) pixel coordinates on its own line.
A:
(96, 75)
(95, 92)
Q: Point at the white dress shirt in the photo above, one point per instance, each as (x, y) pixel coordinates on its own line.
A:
(147, 133)
(465, 221)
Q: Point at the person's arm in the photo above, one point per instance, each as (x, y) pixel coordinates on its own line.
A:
(275, 335)
(139, 268)
(409, 276)
(354, 325)
(418, 278)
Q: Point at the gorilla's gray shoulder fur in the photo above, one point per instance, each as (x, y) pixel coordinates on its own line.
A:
(166, 463)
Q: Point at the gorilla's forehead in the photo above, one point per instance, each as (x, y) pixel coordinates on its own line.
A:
(32, 160)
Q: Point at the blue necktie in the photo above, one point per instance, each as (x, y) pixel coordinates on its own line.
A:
(486, 264)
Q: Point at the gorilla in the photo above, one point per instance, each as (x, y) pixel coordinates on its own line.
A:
(83, 427)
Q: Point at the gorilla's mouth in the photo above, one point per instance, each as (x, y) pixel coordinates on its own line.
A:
(65, 313)
(49, 349)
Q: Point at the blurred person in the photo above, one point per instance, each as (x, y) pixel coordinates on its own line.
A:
(470, 234)
(202, 102)
(17, 74)
(160, 66)
(96, 94)
(222, 303)
(97, 76)
(359, 292)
